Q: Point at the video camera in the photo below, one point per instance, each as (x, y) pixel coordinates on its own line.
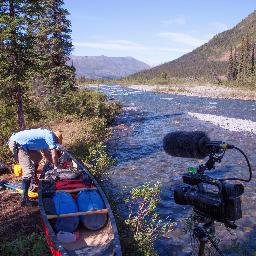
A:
(212, 198)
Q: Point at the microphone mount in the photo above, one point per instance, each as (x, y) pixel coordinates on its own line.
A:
(219, 145)
(216, 150)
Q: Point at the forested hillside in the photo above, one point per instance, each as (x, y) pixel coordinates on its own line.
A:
(209, 61)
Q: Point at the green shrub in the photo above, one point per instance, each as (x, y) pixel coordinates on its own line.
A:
(97, 159)
(94, 156)
(82, 103)
(110, 111)
(33, 244)
(89, 145)
(98, 129)
(143, 219)
(87, 103)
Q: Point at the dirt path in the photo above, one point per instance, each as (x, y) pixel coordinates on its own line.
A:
(14, 218)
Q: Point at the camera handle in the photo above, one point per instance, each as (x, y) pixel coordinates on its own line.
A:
(214, 157)
(203, 235)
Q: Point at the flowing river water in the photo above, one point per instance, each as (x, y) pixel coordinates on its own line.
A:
(136, 145)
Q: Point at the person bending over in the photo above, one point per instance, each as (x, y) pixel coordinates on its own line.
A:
(27, 147)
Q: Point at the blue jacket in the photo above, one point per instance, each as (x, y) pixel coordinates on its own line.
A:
(35, 139)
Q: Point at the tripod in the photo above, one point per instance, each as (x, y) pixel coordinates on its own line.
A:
(204, 233)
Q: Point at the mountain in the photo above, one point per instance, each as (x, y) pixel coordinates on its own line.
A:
(209, 60)
(97, 67)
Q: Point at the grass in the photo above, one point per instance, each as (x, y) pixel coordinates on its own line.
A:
(33, 244)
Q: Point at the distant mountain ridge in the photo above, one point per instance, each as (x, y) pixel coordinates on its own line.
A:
(103, 67)
(208, 60)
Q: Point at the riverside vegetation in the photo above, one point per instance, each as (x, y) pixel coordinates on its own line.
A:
(143, 220)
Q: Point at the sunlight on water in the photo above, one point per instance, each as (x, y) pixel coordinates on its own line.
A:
(166, 98)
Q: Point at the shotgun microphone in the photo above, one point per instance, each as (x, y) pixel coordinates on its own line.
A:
(191, 144)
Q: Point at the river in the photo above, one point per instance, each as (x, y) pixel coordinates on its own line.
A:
(136, 145)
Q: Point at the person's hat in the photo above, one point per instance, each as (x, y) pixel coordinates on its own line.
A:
(58, 134)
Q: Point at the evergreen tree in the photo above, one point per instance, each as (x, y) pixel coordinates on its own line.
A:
(235, 64)
(14, 45)
(247, 58)
(242, 67)
(164, 75)
(242, 61)
(253, 60)
(231, 66)
(52, 77)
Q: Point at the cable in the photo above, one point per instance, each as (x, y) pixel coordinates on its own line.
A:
(248, 164)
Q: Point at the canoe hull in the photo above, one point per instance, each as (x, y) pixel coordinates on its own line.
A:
(104, 240)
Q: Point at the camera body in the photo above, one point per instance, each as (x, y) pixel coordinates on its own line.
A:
(222, 203)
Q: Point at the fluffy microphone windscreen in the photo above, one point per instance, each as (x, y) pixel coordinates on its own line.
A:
(186, 144)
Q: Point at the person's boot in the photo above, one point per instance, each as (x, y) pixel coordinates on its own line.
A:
(24, 196)
(33, 187)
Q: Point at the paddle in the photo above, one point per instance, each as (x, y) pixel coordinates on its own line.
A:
(54, 216)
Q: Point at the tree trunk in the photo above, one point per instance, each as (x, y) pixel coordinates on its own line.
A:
(16, 72)
(20, 112)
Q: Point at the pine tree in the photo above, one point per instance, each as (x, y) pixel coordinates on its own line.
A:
(247, 58)
(242, 61)
(253, 60)
(231, 66)
(253, 68)
(14, 45)
(235, 65)
(53, 77)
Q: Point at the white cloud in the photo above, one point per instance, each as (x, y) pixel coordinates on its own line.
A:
(125, 45)
(167, 49)
(182, 38)
(181, 20)
(219, 25)
(111, 45)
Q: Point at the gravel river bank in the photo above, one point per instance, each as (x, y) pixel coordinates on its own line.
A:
(206, 90)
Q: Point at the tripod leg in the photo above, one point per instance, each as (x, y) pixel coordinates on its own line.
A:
(201, 248)
(216, 246)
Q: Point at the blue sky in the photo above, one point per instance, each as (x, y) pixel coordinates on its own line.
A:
(153, 31)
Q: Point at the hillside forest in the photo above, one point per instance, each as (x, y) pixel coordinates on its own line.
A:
(227, 58)
(239, 70)
(241, 64)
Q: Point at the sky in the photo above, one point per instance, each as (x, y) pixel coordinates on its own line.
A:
(153, 31)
